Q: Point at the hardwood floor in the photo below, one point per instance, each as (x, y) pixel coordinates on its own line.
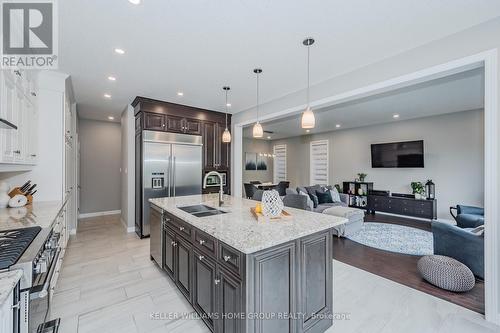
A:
(402, 268)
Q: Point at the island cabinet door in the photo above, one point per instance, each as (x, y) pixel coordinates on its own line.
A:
(169, 255)
(316, 284)
(183, 266)
(273, 289)
(204, 283)
(229, 299)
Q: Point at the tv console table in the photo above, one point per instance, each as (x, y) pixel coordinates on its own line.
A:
(402, 206)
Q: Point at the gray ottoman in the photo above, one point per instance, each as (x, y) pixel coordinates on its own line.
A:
(446, 273)
(355, 216)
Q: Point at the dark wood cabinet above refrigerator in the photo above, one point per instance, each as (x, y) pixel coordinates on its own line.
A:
(155, 115)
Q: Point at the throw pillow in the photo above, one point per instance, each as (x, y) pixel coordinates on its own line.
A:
(314, 199)
(335, 194)
(310, 203)
(324, 197)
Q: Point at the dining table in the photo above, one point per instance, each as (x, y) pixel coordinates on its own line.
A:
(266, 186)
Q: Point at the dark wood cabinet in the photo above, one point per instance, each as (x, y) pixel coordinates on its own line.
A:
(155, 115)
(183, 266)
(403, 206)
(175, 124)
(169, 252)
(229, 296)
(192, 126)
(209, 145)
(154, 121)
(204, 287)
(221, 283)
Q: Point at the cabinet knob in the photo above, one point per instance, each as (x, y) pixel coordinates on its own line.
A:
(17, 152)
(181, 228)
(174, 243)
(216, 281)
(227, 258)
(201, 257)
(202, 241)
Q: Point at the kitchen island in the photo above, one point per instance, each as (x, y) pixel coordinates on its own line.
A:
(241, 275)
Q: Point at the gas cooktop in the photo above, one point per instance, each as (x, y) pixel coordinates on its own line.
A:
(13, 243)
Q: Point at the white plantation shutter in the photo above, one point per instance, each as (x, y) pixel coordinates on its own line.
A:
(279, 168)
(319, 162)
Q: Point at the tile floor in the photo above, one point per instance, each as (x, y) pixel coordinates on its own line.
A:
(109, 284)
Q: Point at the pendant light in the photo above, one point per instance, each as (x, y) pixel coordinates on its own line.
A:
(226, 136)
(258, 132)
(308, 120)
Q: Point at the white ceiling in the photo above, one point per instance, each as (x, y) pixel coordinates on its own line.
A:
(198, 46)
(459, 92)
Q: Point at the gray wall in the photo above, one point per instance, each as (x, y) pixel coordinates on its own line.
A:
(454, 157)
(128, 168)
(258, 146)
(100, 160)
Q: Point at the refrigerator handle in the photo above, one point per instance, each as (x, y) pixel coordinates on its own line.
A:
(173, 177)
(169, 175)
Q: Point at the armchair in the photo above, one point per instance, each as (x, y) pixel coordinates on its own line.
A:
(460, 244)
(468, 216)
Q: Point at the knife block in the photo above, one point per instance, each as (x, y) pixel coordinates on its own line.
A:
(17, 190)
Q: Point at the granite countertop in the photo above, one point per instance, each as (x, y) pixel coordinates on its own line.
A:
(41, 214)
(239, 229)
(8, 281)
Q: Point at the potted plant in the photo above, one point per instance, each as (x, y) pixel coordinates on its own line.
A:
(418, 189)
(362, 176)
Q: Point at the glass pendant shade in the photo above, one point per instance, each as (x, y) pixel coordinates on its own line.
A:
(226, 136)
(258, 132)
(308, 120)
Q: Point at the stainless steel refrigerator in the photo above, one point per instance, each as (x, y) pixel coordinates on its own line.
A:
(171, 166)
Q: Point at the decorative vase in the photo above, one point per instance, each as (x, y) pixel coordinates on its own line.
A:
(360, 191)
(272, 205)
(418, 196)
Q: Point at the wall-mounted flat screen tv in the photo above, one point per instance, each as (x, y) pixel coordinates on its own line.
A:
(408, 154)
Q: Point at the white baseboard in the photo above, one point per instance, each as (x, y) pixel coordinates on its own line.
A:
(129, 229)
(109, 212)
(72, 232)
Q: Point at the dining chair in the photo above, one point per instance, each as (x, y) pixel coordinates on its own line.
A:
(258, 195)
(249, 190)
(281, 187)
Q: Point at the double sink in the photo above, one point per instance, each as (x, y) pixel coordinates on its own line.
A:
(201, 210)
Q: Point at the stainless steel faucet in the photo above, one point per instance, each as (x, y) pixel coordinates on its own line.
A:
(221, 189)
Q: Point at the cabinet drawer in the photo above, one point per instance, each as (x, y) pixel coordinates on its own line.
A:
(230, 258)
(182, 228)
(205, 242)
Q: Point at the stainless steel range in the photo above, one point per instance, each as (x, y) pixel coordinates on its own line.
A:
(35, 251)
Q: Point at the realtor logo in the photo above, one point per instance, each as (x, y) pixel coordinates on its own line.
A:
(29, 39)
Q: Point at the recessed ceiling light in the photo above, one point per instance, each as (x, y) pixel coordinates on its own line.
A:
(307, 131)
(180, 93)
(107, 96)
(135, 2)
(120, 51)
(337, 126)
(228, 105)
(111, 118)
(268, 137)
(111, 78)
(395, 116)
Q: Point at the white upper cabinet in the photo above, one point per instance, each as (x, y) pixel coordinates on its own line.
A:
(18, 106)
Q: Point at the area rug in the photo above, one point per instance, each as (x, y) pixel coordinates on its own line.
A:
(395, 238)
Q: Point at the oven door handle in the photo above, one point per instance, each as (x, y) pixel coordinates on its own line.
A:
(45, 290)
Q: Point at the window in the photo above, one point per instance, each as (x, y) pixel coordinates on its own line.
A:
(279, 168)
(318, 162)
